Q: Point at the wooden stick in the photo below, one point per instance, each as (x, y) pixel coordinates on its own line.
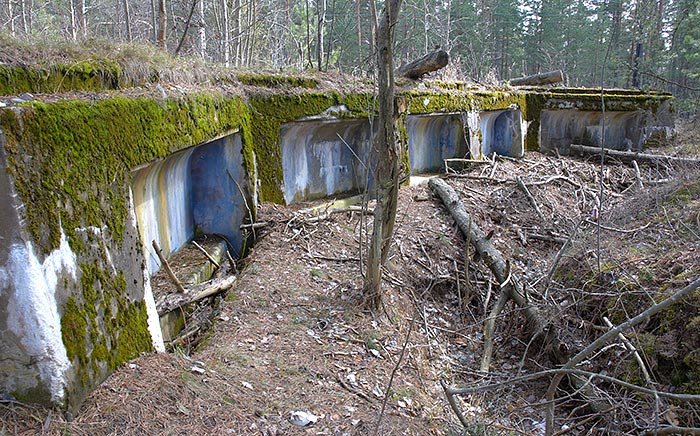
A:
(638, 174)
(211, 259)
(166, 266)
(532, 200)
(629, 156)
(199, 292)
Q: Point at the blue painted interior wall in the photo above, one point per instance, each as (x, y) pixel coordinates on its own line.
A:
(191, 192)
(218, 206)
(322, 158)
(432, 138)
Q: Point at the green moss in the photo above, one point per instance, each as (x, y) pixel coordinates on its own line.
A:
(83, 75)
(268, 113)
(71, 159)
(276, 80)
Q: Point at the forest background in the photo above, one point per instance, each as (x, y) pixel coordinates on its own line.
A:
(648, 44)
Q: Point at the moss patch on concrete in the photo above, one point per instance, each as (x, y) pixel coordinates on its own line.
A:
(71, 160)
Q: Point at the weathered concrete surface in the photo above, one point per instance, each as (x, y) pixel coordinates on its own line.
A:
(75, 296)
(501, 133)
(162, 194)
(432, 138)
(195, 191)
(623, 130)
(321, 158)
(33, 358)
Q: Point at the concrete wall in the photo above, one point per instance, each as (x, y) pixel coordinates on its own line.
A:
(33, 358)
(195, 191)
(322, 158)
(501, 133)
(432, 138)
(86, 186)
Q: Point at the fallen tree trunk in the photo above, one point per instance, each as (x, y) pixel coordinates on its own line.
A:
(539, 79)
(199, 292)
(427, 64)
(630, 156)
(513, 286)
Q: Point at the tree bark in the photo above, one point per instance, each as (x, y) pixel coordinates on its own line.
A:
(427, 64)
(539, 79)
(127, 19)
(187, 26)
(386, 155)
(161, 24)
(202, 32)
(321, 14)
(199, 292)
(227, 34)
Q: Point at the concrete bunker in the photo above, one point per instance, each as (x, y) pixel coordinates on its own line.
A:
(191, 193)
(501, 133)
(624, 130)
(433, 138)
(322, 158)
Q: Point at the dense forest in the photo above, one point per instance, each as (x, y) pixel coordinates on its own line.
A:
(640, 43)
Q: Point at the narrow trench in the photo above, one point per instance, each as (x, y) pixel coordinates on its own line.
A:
(203, 194)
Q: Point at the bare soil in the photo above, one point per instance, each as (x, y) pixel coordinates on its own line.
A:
(291, 336)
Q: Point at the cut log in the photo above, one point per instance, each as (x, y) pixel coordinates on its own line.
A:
(539, 79)
(427, 64)
(509, 282)
(630, 156)
(199, 292)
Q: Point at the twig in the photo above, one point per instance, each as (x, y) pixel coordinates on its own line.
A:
(547, 238)
(638, 174)
(613, 229)
(211, 259)
(602, 340)
(393, 373)
(245, 201)
(470, 176)
(559, 256)
(166, 266)
(532, 200)
(354, 390)
(672, 429)
(231, 262)
(563, 371)
(258, 225)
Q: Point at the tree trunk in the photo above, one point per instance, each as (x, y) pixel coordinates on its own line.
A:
(11, 17)
(321, 13)
(431, 62)
(187, 26)
(386, 155)
(161, 24)
(201, 30)
(73, 26)
(83, 18)
(539, 79)
(227, 35)
(127, 19)
(359, 32)
(25, 25)
(237, 23)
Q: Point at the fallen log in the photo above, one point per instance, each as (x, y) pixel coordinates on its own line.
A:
(538, 79)
(513, 288)
(199, 292)
(631, 156)
(427, 64)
